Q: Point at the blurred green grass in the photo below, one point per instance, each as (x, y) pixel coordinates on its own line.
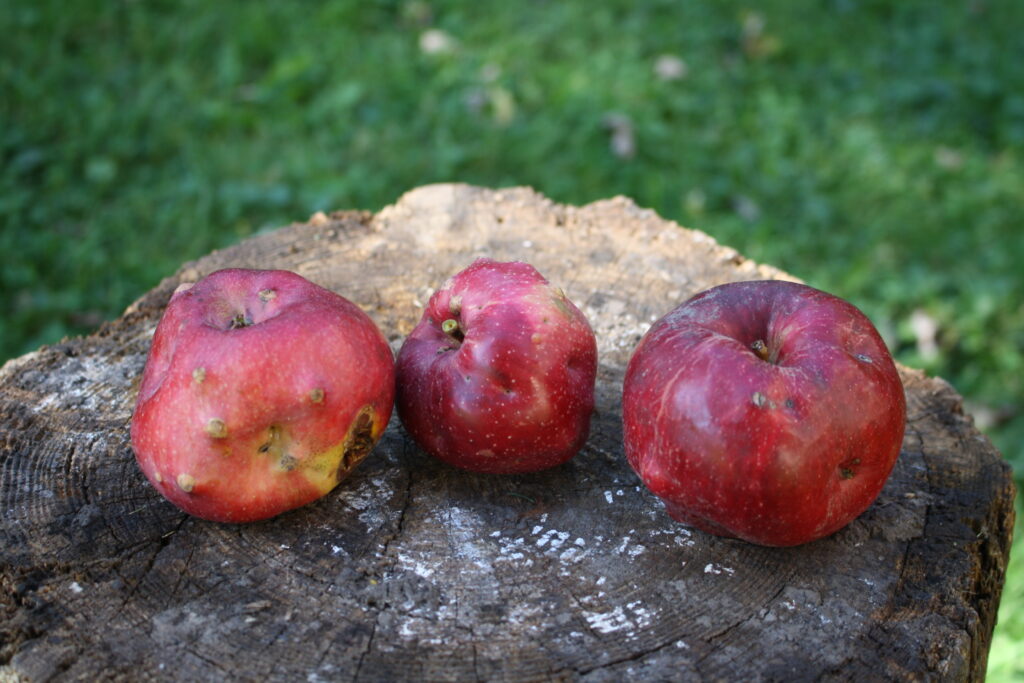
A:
(873, 148)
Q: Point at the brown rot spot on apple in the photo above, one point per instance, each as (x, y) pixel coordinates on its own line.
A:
(216, 428)
(198, 375)
(358, 442)
(317, 395)
(287, 462)
(455, 305)
(186, 482)
(267, 295)
(485, 453)
(159, 477)
(848, 469)
(535, 338)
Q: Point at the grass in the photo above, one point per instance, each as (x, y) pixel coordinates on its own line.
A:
(872, 148)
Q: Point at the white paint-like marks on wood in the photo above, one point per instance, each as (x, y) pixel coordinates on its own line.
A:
(410, 563)
(630, 618)
(716, 569)
(554, 537)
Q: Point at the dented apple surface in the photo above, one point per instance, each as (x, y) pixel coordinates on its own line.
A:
(498, 376)
(767, 411)
(261, 392)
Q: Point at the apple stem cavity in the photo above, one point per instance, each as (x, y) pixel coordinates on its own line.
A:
(240, 320)
(452, 329)
(760, 349)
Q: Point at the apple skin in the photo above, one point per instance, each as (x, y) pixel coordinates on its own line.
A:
(510, 388)
(261, 392)
(777, 445)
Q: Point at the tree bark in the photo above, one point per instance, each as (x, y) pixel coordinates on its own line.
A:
(413, 570)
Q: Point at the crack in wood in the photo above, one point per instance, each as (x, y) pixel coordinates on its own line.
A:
(162, 543)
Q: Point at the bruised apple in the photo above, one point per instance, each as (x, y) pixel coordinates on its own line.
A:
(767, 411)
(498, 376)
(261, 392)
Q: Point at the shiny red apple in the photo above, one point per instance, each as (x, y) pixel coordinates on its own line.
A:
(498, 376)
(767, 411)
(261, 392)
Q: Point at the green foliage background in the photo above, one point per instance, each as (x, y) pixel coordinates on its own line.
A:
(873, 148)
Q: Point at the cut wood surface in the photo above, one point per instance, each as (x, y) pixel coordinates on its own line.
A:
(413, 570)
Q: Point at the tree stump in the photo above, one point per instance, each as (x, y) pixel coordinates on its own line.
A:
(411, 569)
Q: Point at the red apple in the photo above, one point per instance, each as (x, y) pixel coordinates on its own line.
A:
(767, 411)
(261, 392)
(498, 376)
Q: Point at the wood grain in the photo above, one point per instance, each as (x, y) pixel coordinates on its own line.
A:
(412, 570)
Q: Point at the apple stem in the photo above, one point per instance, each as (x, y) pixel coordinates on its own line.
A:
(760, 349)
(240, 320)
(452, 329)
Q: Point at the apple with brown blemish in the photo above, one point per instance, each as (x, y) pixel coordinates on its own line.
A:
(768, 411)
(498, 376)
(261, 392)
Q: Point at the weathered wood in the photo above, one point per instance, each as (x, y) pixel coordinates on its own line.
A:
(413, 570)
